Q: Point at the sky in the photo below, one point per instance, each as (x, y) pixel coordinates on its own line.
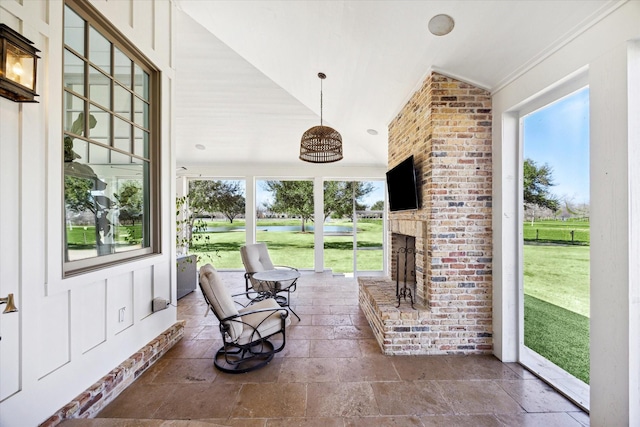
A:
(558, 135)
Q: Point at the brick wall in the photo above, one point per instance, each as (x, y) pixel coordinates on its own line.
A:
(107, 388)
(446, 126)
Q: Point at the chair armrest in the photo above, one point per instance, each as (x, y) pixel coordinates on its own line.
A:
(261, 310)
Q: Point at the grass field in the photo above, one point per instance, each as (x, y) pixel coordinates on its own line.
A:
(564, 232)
(556, 287)
(84, 237)
(558, 275)
(559, 335)
(293, 248)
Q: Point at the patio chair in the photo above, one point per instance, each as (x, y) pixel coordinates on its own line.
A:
(246, 332)
(256, 259)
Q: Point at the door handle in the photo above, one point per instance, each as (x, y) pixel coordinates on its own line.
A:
(11, 306)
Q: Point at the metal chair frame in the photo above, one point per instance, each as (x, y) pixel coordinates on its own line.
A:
(236, 358)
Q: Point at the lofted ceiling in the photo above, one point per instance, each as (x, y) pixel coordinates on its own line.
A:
(246, 71)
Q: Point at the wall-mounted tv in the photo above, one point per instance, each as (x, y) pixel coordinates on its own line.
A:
(402, 186)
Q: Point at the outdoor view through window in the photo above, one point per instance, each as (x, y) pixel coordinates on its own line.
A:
(285, 222)
(556, 233)
(107, 154)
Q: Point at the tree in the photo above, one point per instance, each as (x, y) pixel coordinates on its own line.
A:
(293, 198)
(378, 206)
(339, 196)
(229, 199)
(536, 187)
(208, 196)
(77, 194)
(130, 203)
(296, 198)
(202, 197)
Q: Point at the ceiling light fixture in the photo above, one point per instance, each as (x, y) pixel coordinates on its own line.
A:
(200, 147)
(441, 25)
(321, 144)
(372, 131)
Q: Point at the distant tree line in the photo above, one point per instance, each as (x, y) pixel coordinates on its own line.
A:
(293, 198)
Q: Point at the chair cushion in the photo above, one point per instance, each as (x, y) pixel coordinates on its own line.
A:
(220, 299)
(256, 258)
(265, 323)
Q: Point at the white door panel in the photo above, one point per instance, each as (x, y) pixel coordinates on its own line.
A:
(10, 343)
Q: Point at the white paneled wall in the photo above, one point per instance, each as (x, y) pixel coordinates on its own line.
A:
(143, 292)
(93, 315)
(69, 332)
(54, 319)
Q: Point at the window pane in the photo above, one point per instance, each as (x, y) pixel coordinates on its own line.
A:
(78, 149)
(101, 131)
(122, 134)
(105, 207)
(99, 50)
(142, 113)
(217, 209)
(285, 221)
(73, 30)
(74, 114)
(122, 67)
(99, 88)
(73, 73)
(141, 143)
(122, 101)
(98, 154)
(120, 158)
(141, 79)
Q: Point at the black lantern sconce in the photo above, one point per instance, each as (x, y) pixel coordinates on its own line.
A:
(18, 60)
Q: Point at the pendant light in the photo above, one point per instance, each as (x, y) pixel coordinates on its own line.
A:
(321, 144)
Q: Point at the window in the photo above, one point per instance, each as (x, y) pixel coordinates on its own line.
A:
(111, 144)
(354, 206)
(284, 221)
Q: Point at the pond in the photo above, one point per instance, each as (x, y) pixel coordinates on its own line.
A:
(328, 229)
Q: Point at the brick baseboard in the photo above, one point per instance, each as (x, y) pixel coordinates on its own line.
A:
(88, 403)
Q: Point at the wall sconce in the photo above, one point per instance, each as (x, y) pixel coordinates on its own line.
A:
(18, 60)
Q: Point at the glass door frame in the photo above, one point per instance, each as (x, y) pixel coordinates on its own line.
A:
(574, 389)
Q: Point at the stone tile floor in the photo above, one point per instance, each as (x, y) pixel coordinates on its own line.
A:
(331, 373)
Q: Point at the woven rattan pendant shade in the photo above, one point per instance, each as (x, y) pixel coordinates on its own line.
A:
(321, 144)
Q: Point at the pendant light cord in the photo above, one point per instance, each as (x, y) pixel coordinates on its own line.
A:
(320, 101)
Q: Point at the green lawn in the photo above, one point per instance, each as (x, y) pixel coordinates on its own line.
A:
(293, 248)
(559, 335)
(558, 275)
(564, 232)
(556, 306)
(84, 237)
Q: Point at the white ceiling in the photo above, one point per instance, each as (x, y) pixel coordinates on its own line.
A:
(246, 71)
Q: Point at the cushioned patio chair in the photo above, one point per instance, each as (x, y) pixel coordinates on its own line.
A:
(255, 258)
(246, 332)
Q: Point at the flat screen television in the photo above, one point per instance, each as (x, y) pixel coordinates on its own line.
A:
(402, 186)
